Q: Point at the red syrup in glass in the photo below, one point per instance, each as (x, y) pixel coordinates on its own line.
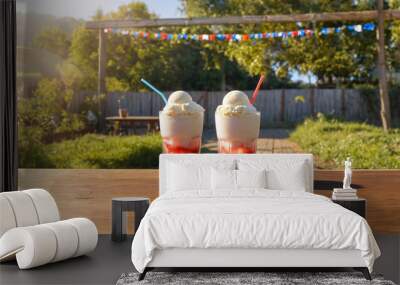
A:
(225, 146)
(181, 145)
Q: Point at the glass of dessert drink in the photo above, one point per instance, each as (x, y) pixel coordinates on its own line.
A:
(181, 124)
(237, 123)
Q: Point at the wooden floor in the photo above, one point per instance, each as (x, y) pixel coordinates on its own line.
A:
(88, 193)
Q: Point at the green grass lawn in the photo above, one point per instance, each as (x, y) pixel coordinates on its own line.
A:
(98, 151)
(333, 140)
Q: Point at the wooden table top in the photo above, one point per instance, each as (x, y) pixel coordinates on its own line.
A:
(133, 118)
(130, 199)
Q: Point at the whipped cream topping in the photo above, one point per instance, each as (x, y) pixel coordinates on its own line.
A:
(181, 103)
(236, 103)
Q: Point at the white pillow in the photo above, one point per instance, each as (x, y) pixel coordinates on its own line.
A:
(282, 174)
(251, 178)
(185, 175)
(223, 179)
(227, 179)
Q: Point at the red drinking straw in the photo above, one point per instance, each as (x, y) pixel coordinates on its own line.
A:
(255, 93)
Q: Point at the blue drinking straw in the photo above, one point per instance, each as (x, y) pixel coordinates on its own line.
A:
(155, 90)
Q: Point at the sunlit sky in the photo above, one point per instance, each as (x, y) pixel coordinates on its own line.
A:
(85, 8)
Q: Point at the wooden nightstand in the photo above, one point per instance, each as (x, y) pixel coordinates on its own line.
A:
(358, 206)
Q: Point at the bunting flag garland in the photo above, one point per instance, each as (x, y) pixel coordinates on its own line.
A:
(244, 37)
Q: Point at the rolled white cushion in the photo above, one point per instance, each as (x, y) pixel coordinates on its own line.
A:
(23, 208)
(67, 240)
(37, 245)
(87, 234)
(33, 246)
(46, 207)
(7, 218)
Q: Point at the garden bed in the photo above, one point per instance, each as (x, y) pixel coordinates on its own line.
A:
(331, 141)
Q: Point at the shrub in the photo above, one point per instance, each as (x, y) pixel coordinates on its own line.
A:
(332, 141)
(48, 111)
(31, 151)
(99, 151)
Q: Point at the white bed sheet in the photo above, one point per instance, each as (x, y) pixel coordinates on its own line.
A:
(250, 219)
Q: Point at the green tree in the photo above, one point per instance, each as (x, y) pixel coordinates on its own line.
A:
(330, 58)
(83, 59)
(133, 10)
(54, 40)
(394, 48)
(129, 59)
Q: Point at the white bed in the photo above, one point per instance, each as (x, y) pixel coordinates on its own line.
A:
(248, 227)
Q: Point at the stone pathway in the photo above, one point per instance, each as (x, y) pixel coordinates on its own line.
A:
(270, 141)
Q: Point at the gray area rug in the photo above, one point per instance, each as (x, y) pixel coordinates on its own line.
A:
(273, 278)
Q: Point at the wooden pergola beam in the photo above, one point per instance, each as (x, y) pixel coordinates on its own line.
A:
(360, 16)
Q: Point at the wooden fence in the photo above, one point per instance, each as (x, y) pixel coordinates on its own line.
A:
(277, 107)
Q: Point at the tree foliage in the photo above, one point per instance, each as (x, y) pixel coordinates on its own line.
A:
(129, 60)
(342, 58)
(346, 58)
(47, 110)
(54, 40)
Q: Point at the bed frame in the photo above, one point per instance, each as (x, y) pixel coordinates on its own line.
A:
(246, 259)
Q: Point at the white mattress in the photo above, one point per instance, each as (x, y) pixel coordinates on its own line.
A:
(253, 219)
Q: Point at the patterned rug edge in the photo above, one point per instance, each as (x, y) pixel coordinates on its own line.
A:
(268, 278)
